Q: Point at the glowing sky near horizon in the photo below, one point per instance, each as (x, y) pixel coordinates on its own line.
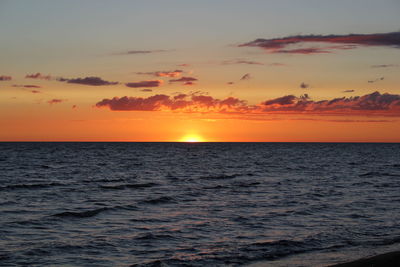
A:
(222, 70)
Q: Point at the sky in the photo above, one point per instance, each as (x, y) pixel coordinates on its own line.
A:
(210, 70)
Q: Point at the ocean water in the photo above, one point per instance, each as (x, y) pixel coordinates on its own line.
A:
(197, 204)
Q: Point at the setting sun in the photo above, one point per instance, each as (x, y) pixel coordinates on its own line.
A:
(192, 138)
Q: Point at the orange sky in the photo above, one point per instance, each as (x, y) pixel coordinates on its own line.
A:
(194, 72)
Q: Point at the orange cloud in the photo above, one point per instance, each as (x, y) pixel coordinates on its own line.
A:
(374, 104)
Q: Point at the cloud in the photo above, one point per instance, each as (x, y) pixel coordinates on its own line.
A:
(26, 86)
(376, 80)
(56, 101)
(182, 102)
(348, 41)
(241, 61)
(183, 65)
(146, 90)
(370, 104)
(135, 52)
(184, 79)
(304, 85)
(38, 75)
(153, 83)
(284, 100)
(385, 66)
(74, 106)
(247, 76)
(93, 81)
(374, 104)
(230, 83)
(5, 78)
(348, 91)
(189, 83)
(35, 92)
(172, 74)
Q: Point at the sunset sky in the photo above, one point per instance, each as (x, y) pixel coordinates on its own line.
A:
(210, 70)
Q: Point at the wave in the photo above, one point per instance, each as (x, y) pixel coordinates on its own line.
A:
(29, 186)
(124, 186)
(244, 254)
(220, 176)
(372, 174)
(81, 214)
(160, 200)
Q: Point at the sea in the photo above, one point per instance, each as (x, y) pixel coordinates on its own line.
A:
(197, 204)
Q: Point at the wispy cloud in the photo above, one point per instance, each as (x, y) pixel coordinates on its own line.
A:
(172, 74)
(376, 80)
(348, 91)
(183, 79)
(247, 76)
(349, 41)
(56, 101)
(241, 61)
(26, 85)
(38, 75)
(138, 52)
(153, 83)
(385, 66)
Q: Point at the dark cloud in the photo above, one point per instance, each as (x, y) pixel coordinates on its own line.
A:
(247, 76)
(189, 83)
(5, 78)
(184, 79)
(38, 75)
(56, 101)
(349, 41)
(93, 81)
(241, 61)
(146, 90)
(348, 91)
(376, 80)
(35, 92)
(230, 83)
(370, 104)
(74, 106)
(304, 85)
(284, 100)
(153, 83)
(385, 66)
(172, 74)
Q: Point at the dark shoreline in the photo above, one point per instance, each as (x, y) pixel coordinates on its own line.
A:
(391, 259)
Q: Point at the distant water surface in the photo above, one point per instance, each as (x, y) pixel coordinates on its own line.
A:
(197, 204)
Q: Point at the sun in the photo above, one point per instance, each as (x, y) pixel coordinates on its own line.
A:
(192, 138)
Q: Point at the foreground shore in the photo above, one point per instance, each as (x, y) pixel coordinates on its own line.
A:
(391, 259)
